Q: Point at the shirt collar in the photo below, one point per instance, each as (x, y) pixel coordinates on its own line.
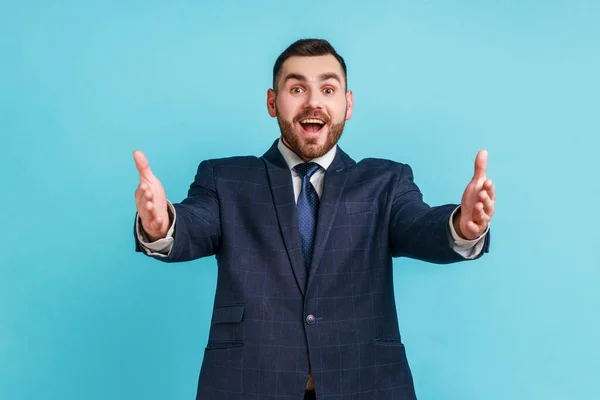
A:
(292, 158)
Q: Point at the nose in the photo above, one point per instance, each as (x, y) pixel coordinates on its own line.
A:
(314, 100)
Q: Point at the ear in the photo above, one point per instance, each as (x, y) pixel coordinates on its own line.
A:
(271, 103)
(349, 104)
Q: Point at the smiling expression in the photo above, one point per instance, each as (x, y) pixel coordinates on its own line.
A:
(311, 104)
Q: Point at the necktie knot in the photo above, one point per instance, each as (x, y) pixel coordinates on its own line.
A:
(307, 169)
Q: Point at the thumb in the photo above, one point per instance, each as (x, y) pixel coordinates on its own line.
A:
(480, 165)
(141, 163)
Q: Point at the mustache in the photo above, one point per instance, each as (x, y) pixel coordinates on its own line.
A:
(312, 114)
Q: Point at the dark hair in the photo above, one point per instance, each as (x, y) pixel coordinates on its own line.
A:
(306, 48)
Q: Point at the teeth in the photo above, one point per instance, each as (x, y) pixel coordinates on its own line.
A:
(312, 121)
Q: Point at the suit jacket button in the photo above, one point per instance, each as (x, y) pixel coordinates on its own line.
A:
(310, 319)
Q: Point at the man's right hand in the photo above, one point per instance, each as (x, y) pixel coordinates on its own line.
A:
(151, 200)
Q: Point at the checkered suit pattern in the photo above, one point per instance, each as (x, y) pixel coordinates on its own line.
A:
(271, 323)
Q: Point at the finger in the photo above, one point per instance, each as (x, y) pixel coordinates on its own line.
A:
(491, 189)
(150, 207)
(477, 211)
(483, 218)
(477, 208)
(473, 228)
(150, 216)
(146, 209)
(154, 212)
(142, 165)
(489, 210)
(143, 196)
(480, 165)
(144, 191)
(480, 217)
(142, 203)
(488, 203)
(157, 222)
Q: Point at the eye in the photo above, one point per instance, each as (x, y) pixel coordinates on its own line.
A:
(328, 90)
(296, 90)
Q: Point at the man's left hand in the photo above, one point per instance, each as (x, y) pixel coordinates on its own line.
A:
(477, 204)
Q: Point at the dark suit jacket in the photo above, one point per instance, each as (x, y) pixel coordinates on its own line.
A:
(272, 320)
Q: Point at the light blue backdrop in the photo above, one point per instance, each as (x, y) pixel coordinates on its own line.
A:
(83, 84)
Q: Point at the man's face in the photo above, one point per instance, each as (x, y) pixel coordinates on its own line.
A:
(311, 104)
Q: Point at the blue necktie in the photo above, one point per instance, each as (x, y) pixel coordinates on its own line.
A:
(308, 203)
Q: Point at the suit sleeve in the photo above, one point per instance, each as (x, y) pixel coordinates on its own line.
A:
(417, 230)
(197, 230)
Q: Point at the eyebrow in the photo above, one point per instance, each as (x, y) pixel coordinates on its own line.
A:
(323, 77)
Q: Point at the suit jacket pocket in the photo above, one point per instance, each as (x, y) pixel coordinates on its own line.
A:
(227, 326)
(389, 351)
(228, 314)
(225, 342)
(386, 341)
(223, 345)
(222, 353)
(391, 362)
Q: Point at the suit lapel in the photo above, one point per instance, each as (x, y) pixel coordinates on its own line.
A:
(333, 187)
(282, 190)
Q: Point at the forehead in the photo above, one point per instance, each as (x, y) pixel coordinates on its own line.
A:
(312, 67)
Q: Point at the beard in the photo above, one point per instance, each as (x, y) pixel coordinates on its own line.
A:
(309, 148)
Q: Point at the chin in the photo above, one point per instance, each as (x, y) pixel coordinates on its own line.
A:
(313, 150)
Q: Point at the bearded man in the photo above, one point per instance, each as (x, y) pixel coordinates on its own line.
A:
(304, 239)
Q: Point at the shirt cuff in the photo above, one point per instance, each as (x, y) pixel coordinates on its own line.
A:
(161, 247)
(466, 247)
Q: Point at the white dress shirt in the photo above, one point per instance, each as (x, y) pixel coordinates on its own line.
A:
(467, 248)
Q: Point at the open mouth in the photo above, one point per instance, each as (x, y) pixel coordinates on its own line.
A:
(312, 125)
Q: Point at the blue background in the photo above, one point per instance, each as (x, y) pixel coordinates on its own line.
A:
(83, 84)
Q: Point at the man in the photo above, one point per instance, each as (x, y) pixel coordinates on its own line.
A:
(304, 238)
